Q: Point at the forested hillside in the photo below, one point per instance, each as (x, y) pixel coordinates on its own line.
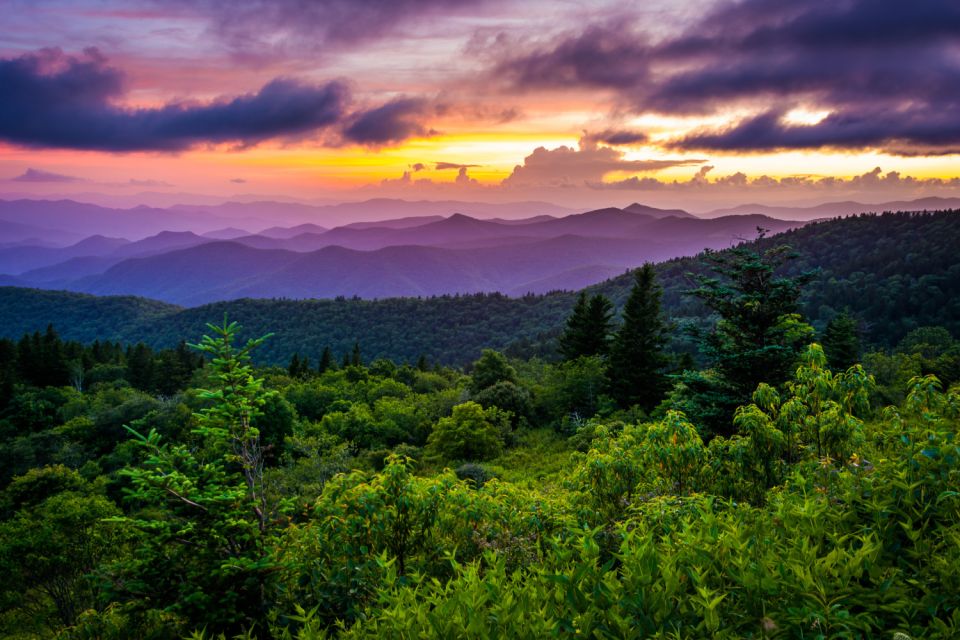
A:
(894, 271)
(782, 490)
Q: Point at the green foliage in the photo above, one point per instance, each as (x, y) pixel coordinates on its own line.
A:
(470, 433)
(588, 328)
(675, 448)
(52, 543)
(204, 522)
(491, 368)
(637, 361)
(841, 342)
(314, 506)
(758, 334)
(509, 397)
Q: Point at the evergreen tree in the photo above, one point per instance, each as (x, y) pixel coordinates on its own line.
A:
(588, 327)
(758, 337)
(207, 522)
(355, 358)
(841, 342)
(140, 370)
(637, 360)
(326, 361)
(293, 369)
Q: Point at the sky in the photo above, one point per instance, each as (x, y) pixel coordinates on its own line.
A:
(692, 103)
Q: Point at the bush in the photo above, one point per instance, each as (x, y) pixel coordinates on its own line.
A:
(471, 433)
(475, 473)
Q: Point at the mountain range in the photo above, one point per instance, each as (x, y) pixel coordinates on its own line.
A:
(409, 256)
(893, 272)
(835, 209)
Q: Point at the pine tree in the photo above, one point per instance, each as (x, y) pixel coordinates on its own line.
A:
(760, 334)
(140, 367)
(355, 358)
(204, 543)
(326, 361)
(758, 337)
(841, 342)
(637, 360)
(293, 369)
(588, 327)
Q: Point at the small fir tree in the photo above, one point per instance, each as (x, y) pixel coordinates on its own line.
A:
(637, 359)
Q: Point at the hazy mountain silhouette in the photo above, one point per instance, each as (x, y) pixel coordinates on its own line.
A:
(833, 209)
(550, 257)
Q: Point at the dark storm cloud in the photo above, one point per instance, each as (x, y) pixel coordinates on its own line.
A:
(55, 100)
(600, 57)
(914, 130)
(887, 71)
(266, 27)
(392, 122)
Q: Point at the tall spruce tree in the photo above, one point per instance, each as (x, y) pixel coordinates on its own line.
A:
(841, 342)
(758, 336)
(588, 327)
(637, 360)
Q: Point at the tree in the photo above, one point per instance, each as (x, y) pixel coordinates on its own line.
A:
(841, 342)
(758, 336)
(637, 361)
(326, 361)
(492, 367)
(588, 327)
(57, 537)
(206, 523)
(299, 367)
(470, 433)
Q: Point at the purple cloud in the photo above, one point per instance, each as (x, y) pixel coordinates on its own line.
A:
(617, 137)
(265, 28)
(885, 71)
(397, 120)
(55, 100)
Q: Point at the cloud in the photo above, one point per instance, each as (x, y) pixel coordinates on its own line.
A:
(238, 180)
(272, 28)
(395, 121)
(917, 129)
(39, 175)
(57, 100)
(617, 137)
(567, 167)
(464, 179)
(871, 182)
(441, 166)
(600, 57)
(886, 73)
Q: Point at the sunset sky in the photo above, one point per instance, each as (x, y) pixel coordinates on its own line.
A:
(682, 103)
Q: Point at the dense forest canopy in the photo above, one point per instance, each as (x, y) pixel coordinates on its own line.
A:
(792, 480)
